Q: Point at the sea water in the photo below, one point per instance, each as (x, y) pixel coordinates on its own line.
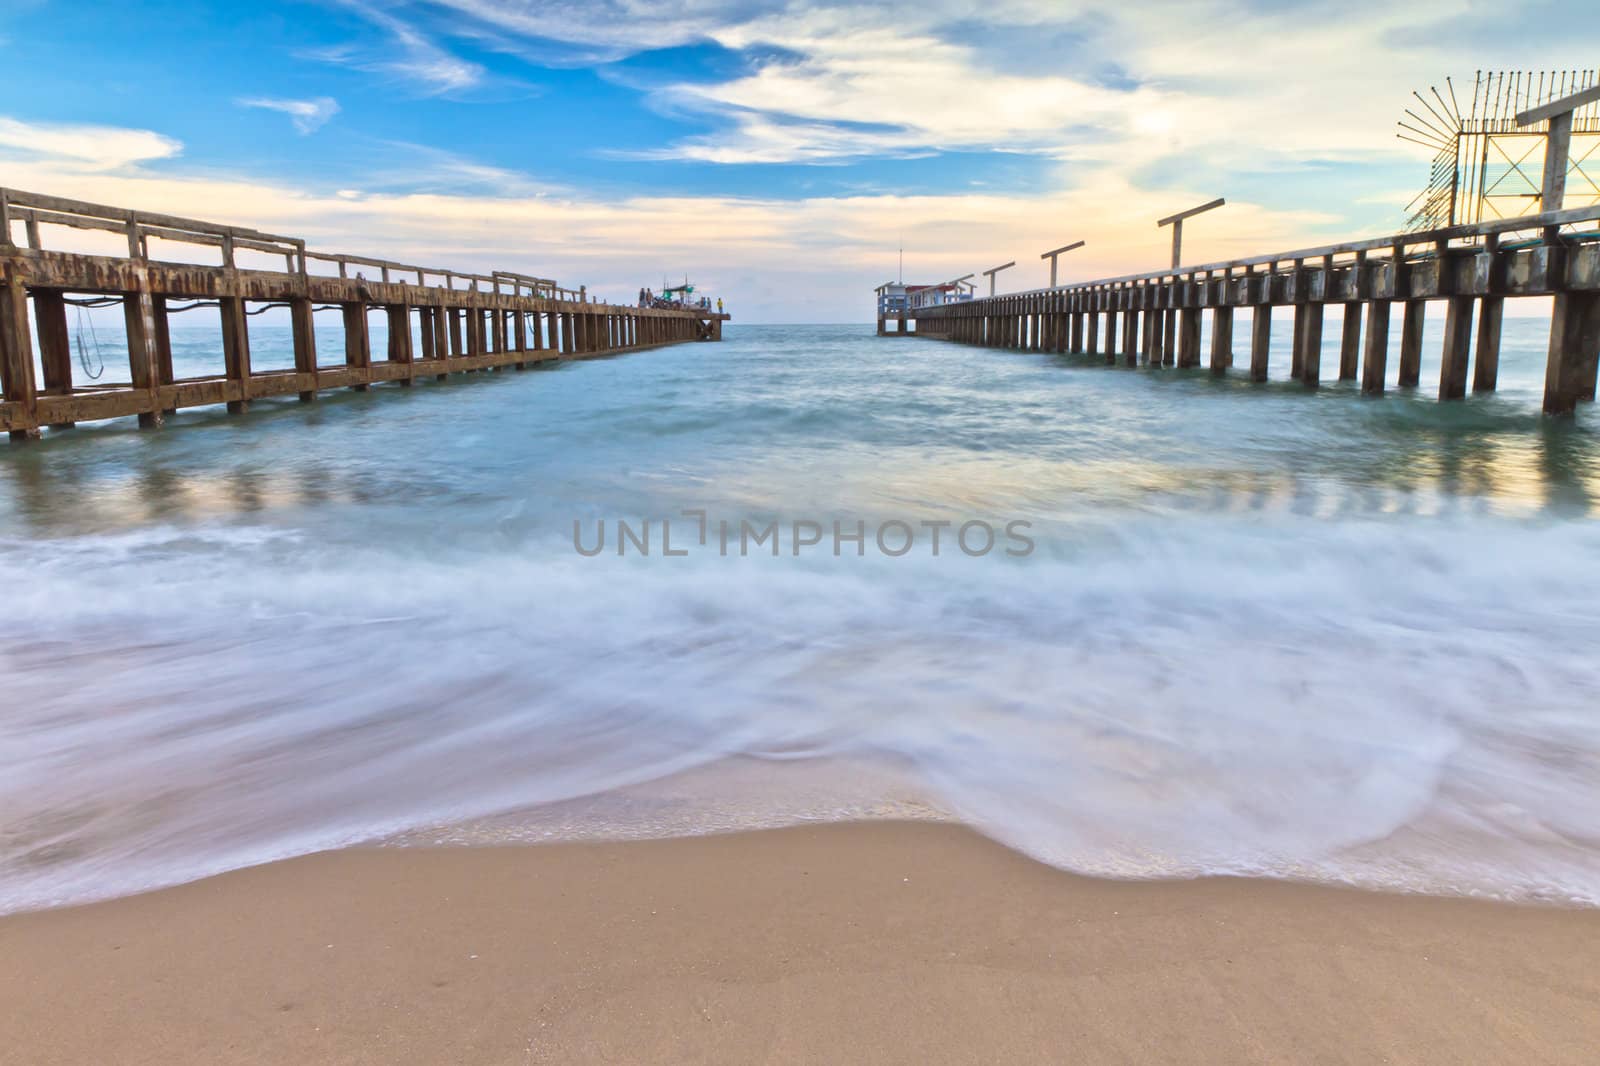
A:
(1257, 630)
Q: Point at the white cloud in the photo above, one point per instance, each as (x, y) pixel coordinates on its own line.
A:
(771, 259)
(308, 116)
(1200, 79)
(83, 148)
(408, 55)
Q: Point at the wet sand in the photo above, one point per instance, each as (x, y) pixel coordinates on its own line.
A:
(867, 943)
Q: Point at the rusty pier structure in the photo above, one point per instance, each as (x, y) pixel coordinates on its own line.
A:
(1463, 252)
(1155, 319)
(438, 322)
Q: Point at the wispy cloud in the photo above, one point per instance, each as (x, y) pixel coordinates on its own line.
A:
(408, 54)
(96, 149)
(759, 253)
(308, 116)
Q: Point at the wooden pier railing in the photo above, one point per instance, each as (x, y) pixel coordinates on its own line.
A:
(1471, 269)
(464, 321)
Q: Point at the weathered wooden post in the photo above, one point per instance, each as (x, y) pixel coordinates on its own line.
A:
(1054, 254)
(1176, 222)
(991, 273)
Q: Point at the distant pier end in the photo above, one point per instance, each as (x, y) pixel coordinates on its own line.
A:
(899, 302)
(438, 322)
(1551, 249)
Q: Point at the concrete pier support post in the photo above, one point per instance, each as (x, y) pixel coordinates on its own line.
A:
(1308, 327)
(161, 338)
(399, 344)
(1570, 368)
(304, 328)
(138, 316)
(1350, 342)
(1091, 332)
(1411, 326)
(1075, 343)
(441, 337)
(55, 345)
(1131, 334)
(1221, 338)
(1260, 342)
(1375, 359)
(1486, 362)
(425, 332)
(1189, 337)
(236, 350)
(357, 347)
(458, 346)
(1457, 348)
(1150, 338)
(16, 361)
(1169, 336)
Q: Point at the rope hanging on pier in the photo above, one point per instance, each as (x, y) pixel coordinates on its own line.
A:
(264, 308)
(93, 301)
(174, 309)
(92, 373)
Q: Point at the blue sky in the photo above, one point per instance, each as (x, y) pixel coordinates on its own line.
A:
(777, 152)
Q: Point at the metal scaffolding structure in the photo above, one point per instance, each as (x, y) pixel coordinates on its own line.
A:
(1485, 166)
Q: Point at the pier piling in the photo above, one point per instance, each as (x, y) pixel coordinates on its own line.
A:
(495, 322)
(1472, 268)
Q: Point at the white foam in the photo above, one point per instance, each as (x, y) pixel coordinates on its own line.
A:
(1384, 703)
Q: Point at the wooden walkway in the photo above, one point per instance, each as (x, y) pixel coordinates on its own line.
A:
(1471, 270)
(439, 322)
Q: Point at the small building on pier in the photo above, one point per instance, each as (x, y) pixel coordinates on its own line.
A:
(897, 299)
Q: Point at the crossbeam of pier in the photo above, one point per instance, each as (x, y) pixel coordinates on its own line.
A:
(465, 321)
(1471, 269)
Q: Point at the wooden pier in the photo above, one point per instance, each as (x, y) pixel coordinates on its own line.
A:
(1155, 319)
(439, 322)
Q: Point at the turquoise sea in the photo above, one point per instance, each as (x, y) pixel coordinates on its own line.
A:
(1256, 630)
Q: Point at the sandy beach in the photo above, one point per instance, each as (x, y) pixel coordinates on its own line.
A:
(893, 942)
